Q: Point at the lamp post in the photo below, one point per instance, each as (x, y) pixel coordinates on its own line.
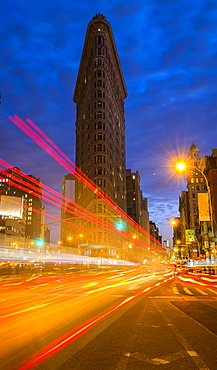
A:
(181, 166)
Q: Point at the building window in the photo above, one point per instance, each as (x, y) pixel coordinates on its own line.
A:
(99, 114)
(99, 136)
(99, 170)
(99, 182)
(99, 104)
(99, 93)
(192, 180)
(100, 40)
(99, 159)
(99, 83)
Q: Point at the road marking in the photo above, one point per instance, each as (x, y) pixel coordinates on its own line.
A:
(164, 296)
(164, 360)
(212, 290)
(188, 348)
(187, 291)
(192, 353)
(175, 290)
(201, 291)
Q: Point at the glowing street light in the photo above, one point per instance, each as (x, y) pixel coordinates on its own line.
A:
(173, 222)
(181, 167)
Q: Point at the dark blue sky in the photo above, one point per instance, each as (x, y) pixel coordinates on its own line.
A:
(168, 54)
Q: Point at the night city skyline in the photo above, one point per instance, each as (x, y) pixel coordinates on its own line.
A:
(167, 54)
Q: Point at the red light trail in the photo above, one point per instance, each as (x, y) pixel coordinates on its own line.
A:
(57, 345)
(71, 206)
(43, 141)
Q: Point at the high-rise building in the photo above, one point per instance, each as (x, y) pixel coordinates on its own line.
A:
(68, 192)
(15, 193)
(100, 122)
(100, 125)
(134, 195)
(195, 183)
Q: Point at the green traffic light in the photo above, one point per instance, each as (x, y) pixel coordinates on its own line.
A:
(39, 243)
(120, 225)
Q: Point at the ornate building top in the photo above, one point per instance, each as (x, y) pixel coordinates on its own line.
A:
(193, 147)
(99, 16)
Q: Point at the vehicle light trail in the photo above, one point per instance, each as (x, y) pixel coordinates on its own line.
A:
(107, 226)
(24, 311)
(57, 345)
(70, 166)
(193, 281)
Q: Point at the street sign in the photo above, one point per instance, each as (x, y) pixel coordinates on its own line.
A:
(189, 236)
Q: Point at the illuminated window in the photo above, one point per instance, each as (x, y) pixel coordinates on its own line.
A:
(192, 180)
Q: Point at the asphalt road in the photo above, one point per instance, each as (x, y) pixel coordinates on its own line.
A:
(111, 320)
(172, 327)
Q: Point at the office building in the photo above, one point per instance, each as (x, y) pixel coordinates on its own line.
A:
(100, 123)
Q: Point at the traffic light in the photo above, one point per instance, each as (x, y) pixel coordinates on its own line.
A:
(120, 225)
(39, 243)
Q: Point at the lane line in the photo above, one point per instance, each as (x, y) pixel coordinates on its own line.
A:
(175, 290)
(212, 290)
(201, 291)
(189, 349)
(187, 291)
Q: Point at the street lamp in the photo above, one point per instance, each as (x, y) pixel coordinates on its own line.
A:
(182, 166)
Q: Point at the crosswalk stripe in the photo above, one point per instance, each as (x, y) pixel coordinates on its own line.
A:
(175, 290)
(212, 290)
(201, 291)
(187, 291)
